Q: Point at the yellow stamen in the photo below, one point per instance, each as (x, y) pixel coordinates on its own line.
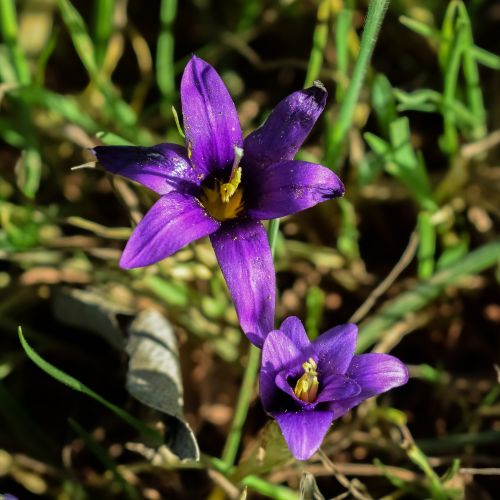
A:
(228, 189)
(306, 387)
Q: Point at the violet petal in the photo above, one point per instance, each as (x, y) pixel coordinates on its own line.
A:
(211, 122)
(244, 256)
(277, 353)
(304, 430)
(286, 128)
(162, 168)
(375, 373)
(335, 348)
(172, 222)
(289, 187)
(294, 330)
(335, 387)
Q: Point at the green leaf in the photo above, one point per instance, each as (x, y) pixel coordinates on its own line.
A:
(383, 103)
(419, 27)
(378, 145)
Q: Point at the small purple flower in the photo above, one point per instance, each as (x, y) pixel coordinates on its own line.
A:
(305, 386)
(221, 185)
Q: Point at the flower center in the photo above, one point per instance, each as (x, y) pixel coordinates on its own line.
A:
(306, 387)
(224, 201)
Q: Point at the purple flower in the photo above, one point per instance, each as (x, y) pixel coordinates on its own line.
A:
(221, 185)
(305, 386)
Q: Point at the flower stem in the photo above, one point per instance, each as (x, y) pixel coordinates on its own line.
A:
(246, 392)
(338, 133)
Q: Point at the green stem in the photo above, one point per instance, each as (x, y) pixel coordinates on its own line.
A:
(338, 133)
(246, 392)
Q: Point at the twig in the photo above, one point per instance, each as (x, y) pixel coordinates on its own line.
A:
(341, 478)
(224, 484)
(400, 266)
(488, 471)
(476, 148)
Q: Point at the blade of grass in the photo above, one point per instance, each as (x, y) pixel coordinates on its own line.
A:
(449, 142)
(419, 296)
(338, 133)
(76, 385)
(165, 72)
(8, 28)
(471, 73)
(343, 24)
(270, 490)
(103, 27)
(320, 37)
(427, 245)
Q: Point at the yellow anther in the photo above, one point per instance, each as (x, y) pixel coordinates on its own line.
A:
(229, 188)
(306, 387)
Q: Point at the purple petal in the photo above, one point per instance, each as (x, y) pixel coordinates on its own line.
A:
(304, 430)
(335, 348)
(337, 387)
(286, 128)
(245, 259)
(288, 187)
(278, 352)
(173, 221)
(210, 119)
(375, 373)
(162, 168)
(294, 330)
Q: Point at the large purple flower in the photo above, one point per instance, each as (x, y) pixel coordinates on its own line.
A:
(222, 186)
(305, 386)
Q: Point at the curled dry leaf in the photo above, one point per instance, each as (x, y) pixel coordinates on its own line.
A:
(153, 375)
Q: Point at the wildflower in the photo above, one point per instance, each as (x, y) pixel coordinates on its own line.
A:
(222, 186)
(305, 386)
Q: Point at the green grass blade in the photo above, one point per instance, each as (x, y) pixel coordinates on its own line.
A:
(274, 491)
(338, 133)
(8, 29)
(79, 35)
(427, 245)
(383, 103)
(471, 73)
(422, 294)
(103, 28)
(76, 385)
(320, 37)
(165, 71)
(419, 27)
(486, 58)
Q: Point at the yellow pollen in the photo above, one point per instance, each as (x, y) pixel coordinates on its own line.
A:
(306, 387)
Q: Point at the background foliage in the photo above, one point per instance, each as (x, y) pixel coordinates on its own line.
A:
(411, 252)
